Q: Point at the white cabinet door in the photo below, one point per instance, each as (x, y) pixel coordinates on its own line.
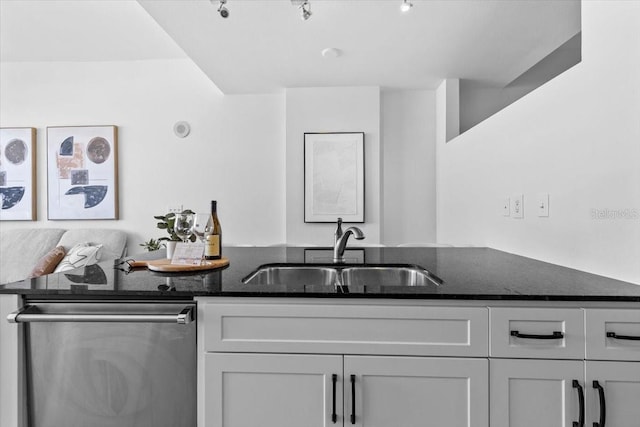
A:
(251, 390)
(415, 392)
(534, 393)
(618, 384)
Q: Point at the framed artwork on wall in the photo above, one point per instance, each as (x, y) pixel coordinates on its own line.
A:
(82, 172)
(18, 174)
(334, 177)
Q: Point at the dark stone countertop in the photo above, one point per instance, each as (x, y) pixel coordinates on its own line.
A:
(467, 274)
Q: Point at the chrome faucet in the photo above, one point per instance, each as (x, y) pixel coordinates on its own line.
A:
(340, 240)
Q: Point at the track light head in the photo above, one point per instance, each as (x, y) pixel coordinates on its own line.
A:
(305, 10)
(406, 6)
(222, 10)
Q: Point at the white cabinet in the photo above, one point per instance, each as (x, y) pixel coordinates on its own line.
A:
(283, 390)
(245, 390)
(273, 363)
(613, 393)
(613, 334)
(532, 386)
(415, 391)
(533, 393)
(283, 364)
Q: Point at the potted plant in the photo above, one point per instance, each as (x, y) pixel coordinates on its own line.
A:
(151, 245)
(165, 222)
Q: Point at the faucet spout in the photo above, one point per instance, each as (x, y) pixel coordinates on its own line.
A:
(341, 240)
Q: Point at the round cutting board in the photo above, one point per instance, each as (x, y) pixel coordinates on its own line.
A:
(165, 265)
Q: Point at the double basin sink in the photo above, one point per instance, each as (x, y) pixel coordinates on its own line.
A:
(342, 275)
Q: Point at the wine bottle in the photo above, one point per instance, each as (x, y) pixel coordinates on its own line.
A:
(213, 247)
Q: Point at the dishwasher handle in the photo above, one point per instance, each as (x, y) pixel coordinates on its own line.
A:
(31, 313)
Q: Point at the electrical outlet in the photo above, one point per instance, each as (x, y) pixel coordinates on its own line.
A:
(517, 206)
(174, 209)
(542, 204)
(506, 206)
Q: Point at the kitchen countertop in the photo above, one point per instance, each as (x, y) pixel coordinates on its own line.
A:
(467, 273)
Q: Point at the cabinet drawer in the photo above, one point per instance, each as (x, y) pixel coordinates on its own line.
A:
(613, 334)
(346, 329)
(537, 333)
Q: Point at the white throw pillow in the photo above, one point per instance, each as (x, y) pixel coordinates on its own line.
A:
(78, 256)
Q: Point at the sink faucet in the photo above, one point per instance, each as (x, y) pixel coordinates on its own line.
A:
(340, 240)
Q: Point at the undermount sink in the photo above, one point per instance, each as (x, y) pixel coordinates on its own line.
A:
(292, 275)
(388, 276)
(336, 275)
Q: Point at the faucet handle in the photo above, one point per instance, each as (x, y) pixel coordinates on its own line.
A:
(338, 232)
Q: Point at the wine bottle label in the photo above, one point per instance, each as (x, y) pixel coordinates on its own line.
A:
(212, 248)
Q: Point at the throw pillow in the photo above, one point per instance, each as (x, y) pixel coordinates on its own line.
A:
(78, 256)
(48, 263)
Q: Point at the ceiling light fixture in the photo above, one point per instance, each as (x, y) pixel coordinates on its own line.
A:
(406, 6)
(305, 10)
(222, 10)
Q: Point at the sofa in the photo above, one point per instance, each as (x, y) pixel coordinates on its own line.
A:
(22, 249)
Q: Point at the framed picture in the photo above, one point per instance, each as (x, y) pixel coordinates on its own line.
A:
(18, 174)
(82, 172)
(334, 177)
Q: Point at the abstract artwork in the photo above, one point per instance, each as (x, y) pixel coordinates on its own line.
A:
(82, 168)
(334, 177)
(18, 174)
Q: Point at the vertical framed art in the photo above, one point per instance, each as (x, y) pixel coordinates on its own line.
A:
(18, 174)
(334, 177)
(82, 172)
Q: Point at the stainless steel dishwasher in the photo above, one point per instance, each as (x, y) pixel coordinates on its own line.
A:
(109, 363)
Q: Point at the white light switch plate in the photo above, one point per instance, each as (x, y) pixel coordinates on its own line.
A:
(506, 207)
(542, 204)
(174, 209)
(517, 206)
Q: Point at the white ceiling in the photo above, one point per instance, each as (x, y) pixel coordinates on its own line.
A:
(264, 46)
(81, 30)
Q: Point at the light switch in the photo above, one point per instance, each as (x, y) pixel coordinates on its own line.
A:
(517, 206)
(542, 204)
(506, 206)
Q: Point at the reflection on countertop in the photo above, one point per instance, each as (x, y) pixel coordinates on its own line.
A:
(467, 273)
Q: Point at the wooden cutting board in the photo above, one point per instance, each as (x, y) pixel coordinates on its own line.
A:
(165, 265)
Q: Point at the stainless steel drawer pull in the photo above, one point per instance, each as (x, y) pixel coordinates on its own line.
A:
(622, 337)
(555, 336)
(31, 313)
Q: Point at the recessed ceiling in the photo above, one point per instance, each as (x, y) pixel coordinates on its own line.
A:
(265, 47)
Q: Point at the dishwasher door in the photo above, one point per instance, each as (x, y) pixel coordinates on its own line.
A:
(110, 364)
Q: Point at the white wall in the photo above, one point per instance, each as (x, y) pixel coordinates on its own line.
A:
(577, 138)
(344, 109)
(409, 166)
(234, 153)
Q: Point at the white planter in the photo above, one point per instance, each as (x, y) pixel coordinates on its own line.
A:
(171, 246)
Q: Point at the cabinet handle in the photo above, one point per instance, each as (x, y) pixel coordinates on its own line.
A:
(580, 422)
(622, 337)
(555, 336)
(353, 399)
(334, 380)
(603, 405)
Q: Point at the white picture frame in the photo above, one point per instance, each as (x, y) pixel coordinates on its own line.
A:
(334, 177)
(82, 172)
(18, 174)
